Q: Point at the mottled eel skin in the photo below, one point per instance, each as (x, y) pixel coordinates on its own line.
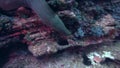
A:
(42, 10)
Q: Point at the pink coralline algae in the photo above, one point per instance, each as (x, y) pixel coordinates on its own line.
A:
(64, 34)
(28, 28)
(38, 36)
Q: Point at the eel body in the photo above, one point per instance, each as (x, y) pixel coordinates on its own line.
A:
(42, 10)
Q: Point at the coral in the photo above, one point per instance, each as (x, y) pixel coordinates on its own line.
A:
(42, 48)
(80, 33)
(105, 23)
(94, 26)
(97, 31)
(48, 16)
(5, 23)
(81, 22)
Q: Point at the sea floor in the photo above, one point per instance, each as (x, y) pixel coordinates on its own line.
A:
(70, 58)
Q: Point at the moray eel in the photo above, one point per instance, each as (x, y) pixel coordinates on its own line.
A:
(42, 9)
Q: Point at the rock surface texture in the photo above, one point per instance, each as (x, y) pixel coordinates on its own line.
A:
(94, 42)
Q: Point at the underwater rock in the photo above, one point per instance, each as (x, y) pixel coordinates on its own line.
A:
(67, 59)
(33, 32)
(42, 48)
(94, 26)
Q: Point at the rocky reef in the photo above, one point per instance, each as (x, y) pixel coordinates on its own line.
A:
(26, 42)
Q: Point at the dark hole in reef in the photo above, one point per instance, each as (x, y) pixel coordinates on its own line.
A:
(107, 60)
(86, 60)
(110, 61)
(6, 51)
(62, 41)
(117, 37)
(8, 13)
(58, 38)
(12, 12)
